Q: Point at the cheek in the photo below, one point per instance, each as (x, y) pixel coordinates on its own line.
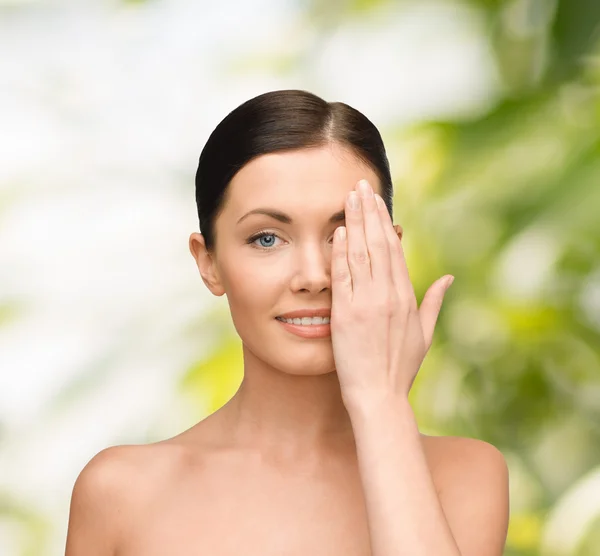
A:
(253, 292)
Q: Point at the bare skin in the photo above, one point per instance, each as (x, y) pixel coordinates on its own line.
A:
(199, 493)
(274, 471)
(255, 506)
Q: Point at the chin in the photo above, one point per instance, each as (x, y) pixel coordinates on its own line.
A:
(307, 364)
(307, 372)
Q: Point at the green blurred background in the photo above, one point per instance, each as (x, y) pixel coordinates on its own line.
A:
(490, 112)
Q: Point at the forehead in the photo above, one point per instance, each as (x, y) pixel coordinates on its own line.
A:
(298, 179)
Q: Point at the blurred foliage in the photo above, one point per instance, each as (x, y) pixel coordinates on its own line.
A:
(215, 380)
(33, 527)
(9, 311)
(516, 361)
(509, 203)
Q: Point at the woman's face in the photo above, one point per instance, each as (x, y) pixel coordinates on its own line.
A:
(289, 268)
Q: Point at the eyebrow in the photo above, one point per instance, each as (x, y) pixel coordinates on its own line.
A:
(339, 216)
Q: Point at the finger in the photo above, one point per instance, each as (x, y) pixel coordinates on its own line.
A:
(430, 308)
(358, 255)
(398, 265)
(392, 237)
(340, 272)
(377, 242)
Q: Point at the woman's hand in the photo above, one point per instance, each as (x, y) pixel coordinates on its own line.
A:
(379, 336)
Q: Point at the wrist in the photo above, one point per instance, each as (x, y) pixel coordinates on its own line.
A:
(366, 406)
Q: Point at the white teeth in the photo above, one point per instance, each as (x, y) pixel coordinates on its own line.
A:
(306, 321)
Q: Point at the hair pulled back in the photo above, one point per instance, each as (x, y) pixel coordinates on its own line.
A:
(281, 121)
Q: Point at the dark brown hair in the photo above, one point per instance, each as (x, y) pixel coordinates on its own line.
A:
(281, 121)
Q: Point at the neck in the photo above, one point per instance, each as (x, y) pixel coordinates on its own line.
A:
(287, 416)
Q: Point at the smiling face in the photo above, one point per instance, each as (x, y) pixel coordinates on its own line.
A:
(289, 268)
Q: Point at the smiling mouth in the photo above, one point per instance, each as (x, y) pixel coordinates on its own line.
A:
(306, 321)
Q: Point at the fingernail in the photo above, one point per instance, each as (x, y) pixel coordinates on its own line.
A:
(379, 201)
(365, 188)
(449, 281)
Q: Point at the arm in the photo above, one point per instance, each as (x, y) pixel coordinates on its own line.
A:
(405, 514)
(95, 510)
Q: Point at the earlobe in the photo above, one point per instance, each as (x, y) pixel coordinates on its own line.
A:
(205, 263)
(399, 231)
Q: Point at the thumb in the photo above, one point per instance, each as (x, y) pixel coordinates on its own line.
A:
(432, 305)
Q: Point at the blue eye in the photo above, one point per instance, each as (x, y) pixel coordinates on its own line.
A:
(261, 235)
(268, 246)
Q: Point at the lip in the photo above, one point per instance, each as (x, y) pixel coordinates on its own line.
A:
(310, 331)
(323, 312)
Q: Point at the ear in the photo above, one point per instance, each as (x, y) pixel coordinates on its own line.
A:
(399, 231)
(206, 264)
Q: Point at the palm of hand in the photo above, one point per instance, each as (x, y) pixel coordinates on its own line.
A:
(379, 335)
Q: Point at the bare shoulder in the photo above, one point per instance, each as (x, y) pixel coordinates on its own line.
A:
(110, 489)
(472, 481)
(120, 469)
(448, 455)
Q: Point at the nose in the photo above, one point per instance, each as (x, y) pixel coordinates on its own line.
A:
(312, 269)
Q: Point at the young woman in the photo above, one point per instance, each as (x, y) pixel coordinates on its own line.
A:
(318, 452)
